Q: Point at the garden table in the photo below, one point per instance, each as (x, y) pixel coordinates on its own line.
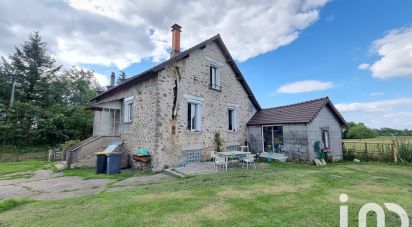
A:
(231, 154)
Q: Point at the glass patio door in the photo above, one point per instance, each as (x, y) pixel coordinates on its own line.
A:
(272, 138)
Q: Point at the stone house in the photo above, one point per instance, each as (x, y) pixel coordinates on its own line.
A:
(175, 108)
(295, 128)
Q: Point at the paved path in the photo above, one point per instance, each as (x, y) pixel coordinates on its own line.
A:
(46, 185)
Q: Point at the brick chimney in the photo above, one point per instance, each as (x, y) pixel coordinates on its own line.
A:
(175, 40)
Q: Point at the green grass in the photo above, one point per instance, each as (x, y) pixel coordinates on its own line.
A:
(382, 139)
(90, 173)
(273, 195)
(14, 167)
(7, 204)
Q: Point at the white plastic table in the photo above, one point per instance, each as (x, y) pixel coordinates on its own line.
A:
(230, 154)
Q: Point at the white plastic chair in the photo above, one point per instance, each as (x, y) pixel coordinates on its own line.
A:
(244, 148)
(219, 161)
(249, 159)
(213, 156)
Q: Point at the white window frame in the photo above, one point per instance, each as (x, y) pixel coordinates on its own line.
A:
(214, 73)
(195, 100)
(196, 107)
(234, 119)
(128, 109)
(325, 134)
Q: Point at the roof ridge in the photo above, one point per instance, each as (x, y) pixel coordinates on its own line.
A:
(298, 103)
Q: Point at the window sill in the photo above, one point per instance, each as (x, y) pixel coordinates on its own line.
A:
(233, 132)
(193, 132)
(127, 122)
(215, 89)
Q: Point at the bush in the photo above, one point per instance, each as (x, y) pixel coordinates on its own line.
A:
(405, 150)
(64, 146)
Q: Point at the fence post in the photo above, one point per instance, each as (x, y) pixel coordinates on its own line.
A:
(366, 151)
(395, 157)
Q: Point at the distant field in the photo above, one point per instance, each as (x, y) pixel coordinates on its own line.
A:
(382, 139)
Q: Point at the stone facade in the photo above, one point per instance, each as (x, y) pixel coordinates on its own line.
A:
(167, 137)
(299, 139)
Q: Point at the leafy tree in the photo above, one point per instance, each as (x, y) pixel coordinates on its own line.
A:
(358, 131)
(121, 78)
(50, 104)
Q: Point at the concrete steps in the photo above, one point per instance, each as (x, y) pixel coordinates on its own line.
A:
(274, 156)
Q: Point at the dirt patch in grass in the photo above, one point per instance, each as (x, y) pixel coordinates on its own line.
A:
(234, 192)
(217, 211)
(170, 195)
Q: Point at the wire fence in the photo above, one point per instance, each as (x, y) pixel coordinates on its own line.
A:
(22, 156)
(382, 152)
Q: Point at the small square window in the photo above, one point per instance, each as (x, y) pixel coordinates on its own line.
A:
(193, 117)
(214, 78)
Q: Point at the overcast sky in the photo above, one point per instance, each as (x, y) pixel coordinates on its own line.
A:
(359, 53)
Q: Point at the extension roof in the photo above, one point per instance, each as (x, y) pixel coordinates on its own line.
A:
(153, 71)
(299, 113)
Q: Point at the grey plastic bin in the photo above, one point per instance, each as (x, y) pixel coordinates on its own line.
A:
(114, 161)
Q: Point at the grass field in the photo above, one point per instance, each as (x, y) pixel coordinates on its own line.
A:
(90, 173)
(278, 194)
(383, 139)
(14, 167)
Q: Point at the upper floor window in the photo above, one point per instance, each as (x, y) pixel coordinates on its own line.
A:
(232, 119)
(193, 117)
(128, 109)
(214, 77)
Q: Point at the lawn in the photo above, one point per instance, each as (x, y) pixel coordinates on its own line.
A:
(90, 173)
(14, 167)
(273, 195)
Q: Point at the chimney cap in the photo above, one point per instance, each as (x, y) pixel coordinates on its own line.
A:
(176, 27)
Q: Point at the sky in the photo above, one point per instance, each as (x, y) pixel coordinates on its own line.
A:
(358, 53)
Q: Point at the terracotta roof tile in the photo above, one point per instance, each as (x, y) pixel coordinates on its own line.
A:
(303, 112)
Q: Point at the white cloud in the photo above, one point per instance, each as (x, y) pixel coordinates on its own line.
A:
(124, 32)
(377, 106)
(304, 86)
(378, 93)
(364, 66)
(103, 80)
(394, 113)
(395, 52)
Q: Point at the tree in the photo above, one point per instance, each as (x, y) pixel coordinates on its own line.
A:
(31, 70)
(358, 131)
(121, 78)
(50, 104)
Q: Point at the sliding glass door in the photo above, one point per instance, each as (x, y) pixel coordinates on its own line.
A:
(272, 138)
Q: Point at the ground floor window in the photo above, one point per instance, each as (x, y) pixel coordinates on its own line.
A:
(272, 138)
(193, 117)
(128, 109)
(232, 119)
(325, 138)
